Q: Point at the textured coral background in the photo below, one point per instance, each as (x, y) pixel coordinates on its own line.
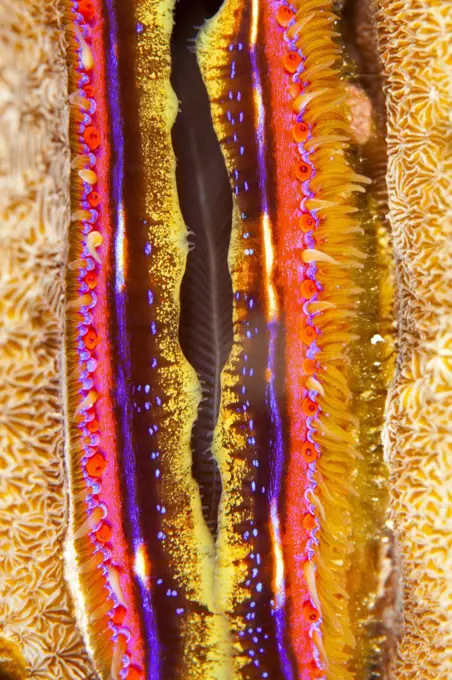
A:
(35, 609)
(415, 42)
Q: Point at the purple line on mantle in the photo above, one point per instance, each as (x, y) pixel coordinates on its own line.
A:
(124, 363)
(277, 462)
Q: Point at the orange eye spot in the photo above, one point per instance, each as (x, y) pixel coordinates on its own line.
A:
(310, 613)
(134, 673)
(309, 522)
(104, 533)
(295, 90)
(307, 223)
(89, 91)
(292, 61)
(91, 339)
(95, 465)
(86, 9)
(308, 334)
(91, 280)
(309, 366)
(284, 16)
(119, 614)
(93, 425)
(93, 199)
(92, 137)
(303, 171)
(309, 452)
(300, 132)
(309, 407)
(316, 672)
(308, 289)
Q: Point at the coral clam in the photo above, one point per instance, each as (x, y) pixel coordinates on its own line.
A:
(231, 512)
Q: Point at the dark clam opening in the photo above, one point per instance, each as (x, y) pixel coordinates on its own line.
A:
(205, 200)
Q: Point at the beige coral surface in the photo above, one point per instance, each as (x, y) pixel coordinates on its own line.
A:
(35, 610)
(416, 47)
